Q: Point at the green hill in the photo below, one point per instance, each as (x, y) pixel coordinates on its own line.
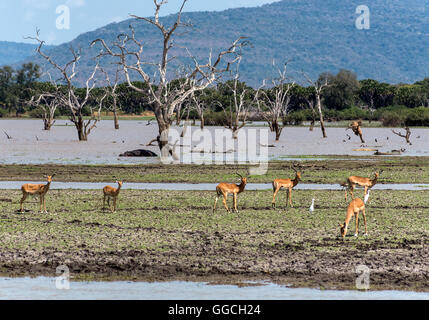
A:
(317, 35)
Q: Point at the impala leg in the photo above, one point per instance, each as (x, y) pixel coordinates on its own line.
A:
(44, 204)
(366, 191)
(364, 220)
(347, 191)
(104, 202)
(352, 189)
(41, 203)
(235, 202)
(290, 197)
(357, 224)
(24, 196)
(114, 205)
(273, 204)
(225, 195)
(214, 207)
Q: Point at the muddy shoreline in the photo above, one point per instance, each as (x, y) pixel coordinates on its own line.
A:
(401, 270)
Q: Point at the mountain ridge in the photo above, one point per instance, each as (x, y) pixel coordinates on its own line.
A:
(317, 36)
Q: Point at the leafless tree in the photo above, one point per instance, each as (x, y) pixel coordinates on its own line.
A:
(47, 103)
(164, 98)
(318, 86)
(70, 97)
(112, 92)
(237, 111)
(406, 136)
(273, 104)
(199, 106)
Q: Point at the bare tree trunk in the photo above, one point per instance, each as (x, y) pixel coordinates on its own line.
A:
(115, 113)
(47, 123)
(115, 119)
(322, 123)
(202, 121)
(80, 127)
(278, 130)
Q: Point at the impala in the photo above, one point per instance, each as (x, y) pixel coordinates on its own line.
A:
(286, 184)
(357, 130)
(36, 189)
(366, 183)
(110, 192)
(230, 188)
(354, 208)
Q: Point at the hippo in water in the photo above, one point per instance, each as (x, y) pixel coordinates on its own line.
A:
(138, 153)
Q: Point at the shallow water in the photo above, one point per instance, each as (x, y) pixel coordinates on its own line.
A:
(45, 288)
(32, 145)
(12, 185)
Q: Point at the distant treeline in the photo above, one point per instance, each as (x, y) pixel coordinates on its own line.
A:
(346, 98)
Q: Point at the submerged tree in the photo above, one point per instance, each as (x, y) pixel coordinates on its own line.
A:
(73, 98)
(317, 88)
(273, 103)
(165, 98)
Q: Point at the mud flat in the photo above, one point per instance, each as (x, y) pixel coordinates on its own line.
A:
(165, 236)
(31, 145)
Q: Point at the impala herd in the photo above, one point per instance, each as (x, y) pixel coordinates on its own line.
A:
(355, 207)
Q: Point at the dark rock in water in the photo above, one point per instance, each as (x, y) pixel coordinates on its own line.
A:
(138, 153)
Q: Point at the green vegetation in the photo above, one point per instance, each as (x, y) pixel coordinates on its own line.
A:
(168, 235)
(330, 171)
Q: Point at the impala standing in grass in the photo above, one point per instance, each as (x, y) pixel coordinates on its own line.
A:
(354, 208)
(230, 188)
(110, 192)
(286, 184)
(36, 189)
(354, 181)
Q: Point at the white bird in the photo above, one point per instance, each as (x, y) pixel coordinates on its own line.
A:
(312, 206)
(366, 197)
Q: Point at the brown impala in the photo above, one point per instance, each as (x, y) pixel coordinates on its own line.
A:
(227, 188)
(110, 192)
(36, 189)
(354, 181)
(286, 184)
(354, 208)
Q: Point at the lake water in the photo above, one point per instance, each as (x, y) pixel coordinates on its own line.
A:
(32, 145)
(45, 288)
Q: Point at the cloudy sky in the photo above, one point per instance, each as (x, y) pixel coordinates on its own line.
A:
(20, 18)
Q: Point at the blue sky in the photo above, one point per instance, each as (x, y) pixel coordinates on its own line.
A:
(20, 18)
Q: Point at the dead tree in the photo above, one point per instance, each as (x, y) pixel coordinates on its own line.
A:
(357, 130)
(70, 97)
(276, 101)
(406, 136)
(112, 92)
(48, 102)
(199, 106)
(237, 112)
(165, 99)
(318, 87)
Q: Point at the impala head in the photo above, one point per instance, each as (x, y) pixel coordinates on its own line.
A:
(49, 178)
(297, 171)
(243, 179)
(119, 183)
